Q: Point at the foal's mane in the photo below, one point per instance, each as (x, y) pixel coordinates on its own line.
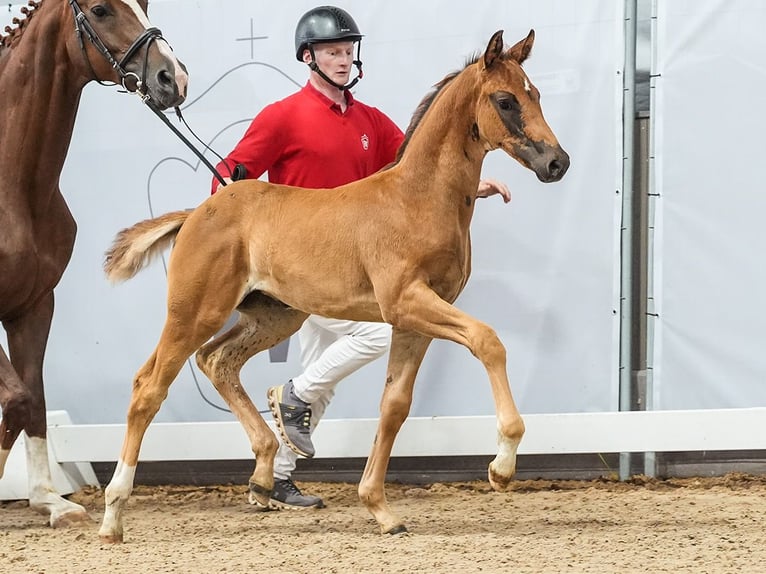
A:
(13, 34)
(429, 98)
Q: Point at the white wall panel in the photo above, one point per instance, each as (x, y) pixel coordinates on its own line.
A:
(545, 266)
(709, 266)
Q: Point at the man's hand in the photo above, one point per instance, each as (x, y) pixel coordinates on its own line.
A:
(488, 187)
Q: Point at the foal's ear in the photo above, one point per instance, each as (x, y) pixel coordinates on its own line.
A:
(521, 51)
(494, 49)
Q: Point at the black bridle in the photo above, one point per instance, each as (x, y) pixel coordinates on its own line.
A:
(83, 27)
(145, 38)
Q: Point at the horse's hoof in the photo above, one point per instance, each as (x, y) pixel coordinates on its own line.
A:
(110, 538)
(398, 529)
(70, 519)
(259, 496)
(498, 481)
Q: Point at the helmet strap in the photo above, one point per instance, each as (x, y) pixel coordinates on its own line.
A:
(358, 63)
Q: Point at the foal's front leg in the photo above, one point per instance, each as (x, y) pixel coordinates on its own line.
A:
(407, 351)
(428, 313)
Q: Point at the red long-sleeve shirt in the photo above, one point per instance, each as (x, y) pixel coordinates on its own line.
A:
(305, 140)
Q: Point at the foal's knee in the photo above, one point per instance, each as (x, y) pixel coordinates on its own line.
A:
(486, 345)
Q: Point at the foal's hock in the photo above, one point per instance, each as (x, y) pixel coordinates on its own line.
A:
(277, 254)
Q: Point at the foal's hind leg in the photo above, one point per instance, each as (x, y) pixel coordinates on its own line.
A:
(406, 355)
(263, 323)
(196, 311)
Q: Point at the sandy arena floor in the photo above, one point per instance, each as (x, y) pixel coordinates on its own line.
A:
(691, 525)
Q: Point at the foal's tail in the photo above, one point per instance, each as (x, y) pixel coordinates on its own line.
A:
(135, 247)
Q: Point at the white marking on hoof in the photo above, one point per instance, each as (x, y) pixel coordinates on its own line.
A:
(117, 494)
(43, 497)
(503, 467)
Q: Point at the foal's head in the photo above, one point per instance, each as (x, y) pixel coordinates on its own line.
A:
(508, 113)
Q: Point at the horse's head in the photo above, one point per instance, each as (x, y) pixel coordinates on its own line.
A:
(509, 115)
(118, 43)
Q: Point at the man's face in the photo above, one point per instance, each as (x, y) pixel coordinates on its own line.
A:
(334, 59)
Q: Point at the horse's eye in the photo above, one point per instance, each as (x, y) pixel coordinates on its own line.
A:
(504, 104)
(98, 11)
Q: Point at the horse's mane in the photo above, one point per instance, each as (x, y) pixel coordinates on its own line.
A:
(13, 34)
(429, 98)
(426, 102)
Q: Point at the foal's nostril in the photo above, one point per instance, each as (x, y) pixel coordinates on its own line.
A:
(554, 168)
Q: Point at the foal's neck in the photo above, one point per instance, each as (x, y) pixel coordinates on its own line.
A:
(443, 148)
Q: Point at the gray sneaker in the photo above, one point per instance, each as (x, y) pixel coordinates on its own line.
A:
(287, 495)
(293, 418)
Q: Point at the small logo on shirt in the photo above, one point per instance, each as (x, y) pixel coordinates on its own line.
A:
(365, 142)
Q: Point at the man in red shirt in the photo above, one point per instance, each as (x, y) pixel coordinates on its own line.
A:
(320, 137)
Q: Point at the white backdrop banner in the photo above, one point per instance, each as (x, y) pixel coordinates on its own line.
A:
(546, 267)
(709, 270)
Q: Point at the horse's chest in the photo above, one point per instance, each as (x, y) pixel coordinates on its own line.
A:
(448, 270)
(33, 256)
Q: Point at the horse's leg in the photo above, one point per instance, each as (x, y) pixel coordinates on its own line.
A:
(406, 355)
(14, 402)
(150, 388)
(427, 313)
(200, 299)
(27, 339)
(263, 323)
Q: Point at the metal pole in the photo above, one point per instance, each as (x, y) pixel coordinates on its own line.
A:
(626, 250)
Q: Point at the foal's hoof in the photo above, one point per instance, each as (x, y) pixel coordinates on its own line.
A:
(398, 529)
(499, 482)
(259, 497)
(70, 519)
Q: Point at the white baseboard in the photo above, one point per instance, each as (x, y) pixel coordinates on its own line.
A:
(68, 476)
(73, 447)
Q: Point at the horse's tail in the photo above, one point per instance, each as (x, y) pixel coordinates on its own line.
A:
(135, 247)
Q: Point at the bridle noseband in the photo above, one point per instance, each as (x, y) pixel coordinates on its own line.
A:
(81, 25)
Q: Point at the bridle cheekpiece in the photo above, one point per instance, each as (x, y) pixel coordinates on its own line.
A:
(83, 27)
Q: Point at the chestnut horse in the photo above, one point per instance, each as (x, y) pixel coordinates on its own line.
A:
(45, 62)
(392, 247)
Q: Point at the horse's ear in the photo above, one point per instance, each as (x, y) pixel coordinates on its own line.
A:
(494, 49)
(521, 51)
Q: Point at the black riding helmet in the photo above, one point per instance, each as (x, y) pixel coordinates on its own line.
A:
(327, 24)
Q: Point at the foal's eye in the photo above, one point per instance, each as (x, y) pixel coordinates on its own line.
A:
(504, 104)
(98, 11)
